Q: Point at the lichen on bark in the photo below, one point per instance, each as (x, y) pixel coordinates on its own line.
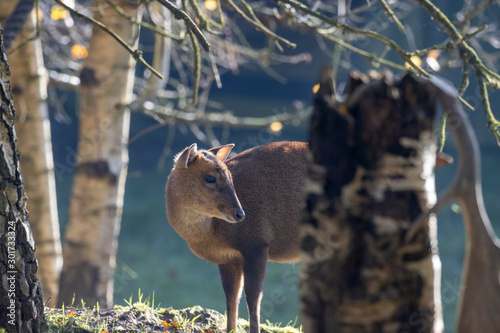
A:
(21, 297)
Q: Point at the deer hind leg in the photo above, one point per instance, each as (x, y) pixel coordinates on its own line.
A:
(232, 282)
(254, 271)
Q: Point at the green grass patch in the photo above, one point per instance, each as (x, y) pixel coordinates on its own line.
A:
(144, 316)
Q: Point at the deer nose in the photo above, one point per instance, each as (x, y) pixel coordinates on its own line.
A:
(239, 215)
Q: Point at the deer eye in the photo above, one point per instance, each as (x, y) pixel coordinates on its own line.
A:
(210, 179)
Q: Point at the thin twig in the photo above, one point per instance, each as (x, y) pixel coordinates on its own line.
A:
(179, 14)
(259, 26)
(476, 10)
(215, 70)
(161, 60)
(220, 14)
(392, 16)
(484, 75)
(368, 33)
(136, 54)
(212, 138)
(205, 20)
(465, 103)
(221, 118)
(146, 25)
(455, 35)
(423, 52)
(474, 33)
(465, 79)
(442, 133)
(355, 11)
(167, 148)
(491, 122)
(370, 56)
(11, 50)
(146, 131)
(196, 66)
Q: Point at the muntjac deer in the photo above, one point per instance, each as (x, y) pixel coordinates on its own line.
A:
(208, 199)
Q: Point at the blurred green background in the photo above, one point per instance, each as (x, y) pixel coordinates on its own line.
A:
(153, 258)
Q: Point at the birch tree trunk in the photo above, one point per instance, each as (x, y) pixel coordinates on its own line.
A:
(91, 237)
(371, 176)
(29, 86)
(21, 297)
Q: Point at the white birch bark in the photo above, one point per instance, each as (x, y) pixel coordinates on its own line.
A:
(91, 237)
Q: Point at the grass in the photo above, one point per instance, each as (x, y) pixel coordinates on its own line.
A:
(143, 316)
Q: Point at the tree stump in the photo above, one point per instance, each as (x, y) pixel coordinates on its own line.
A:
(371, 176)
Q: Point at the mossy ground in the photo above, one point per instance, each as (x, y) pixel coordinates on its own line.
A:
(143, 316)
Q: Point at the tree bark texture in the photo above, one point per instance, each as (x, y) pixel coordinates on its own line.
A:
(370, 177)
(91, 237)
(29, 86)
(480, 289)
(21, 297)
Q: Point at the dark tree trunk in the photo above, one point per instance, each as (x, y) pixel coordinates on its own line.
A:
(21, 297)
(371, 176)
(29, 86)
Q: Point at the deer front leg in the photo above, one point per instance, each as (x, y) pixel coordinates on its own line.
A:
(254, 271)
(232, 282)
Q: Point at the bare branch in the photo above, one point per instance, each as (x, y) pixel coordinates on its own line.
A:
(146, 25)
(196, 67)
(179, 14)
(258, 25)
(368, 33)
(392, 16)
(455, 35)
(484, 75)
(146, 131)
(422, 52)
(465, 79)
(370, 56)
(491, 122)
(167, 148)
(205, 21)
(476, 10)
(137, 54)
(63, 81)
(161, 60)
(474, 33)
(221, 118)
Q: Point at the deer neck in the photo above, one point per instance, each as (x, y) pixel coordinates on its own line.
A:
(192, 226)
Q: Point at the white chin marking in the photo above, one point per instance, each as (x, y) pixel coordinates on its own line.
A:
(225, 217)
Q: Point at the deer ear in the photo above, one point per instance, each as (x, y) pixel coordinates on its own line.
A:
(222, 151)
(185, 157)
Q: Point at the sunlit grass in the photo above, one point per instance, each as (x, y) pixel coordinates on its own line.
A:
(142, 315)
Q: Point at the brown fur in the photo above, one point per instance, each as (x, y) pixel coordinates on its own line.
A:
(268, 181)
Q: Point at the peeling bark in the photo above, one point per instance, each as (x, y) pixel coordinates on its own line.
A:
(371, 175)
(29, 85)
(21, 297)
(480, 288)
(91, 237)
